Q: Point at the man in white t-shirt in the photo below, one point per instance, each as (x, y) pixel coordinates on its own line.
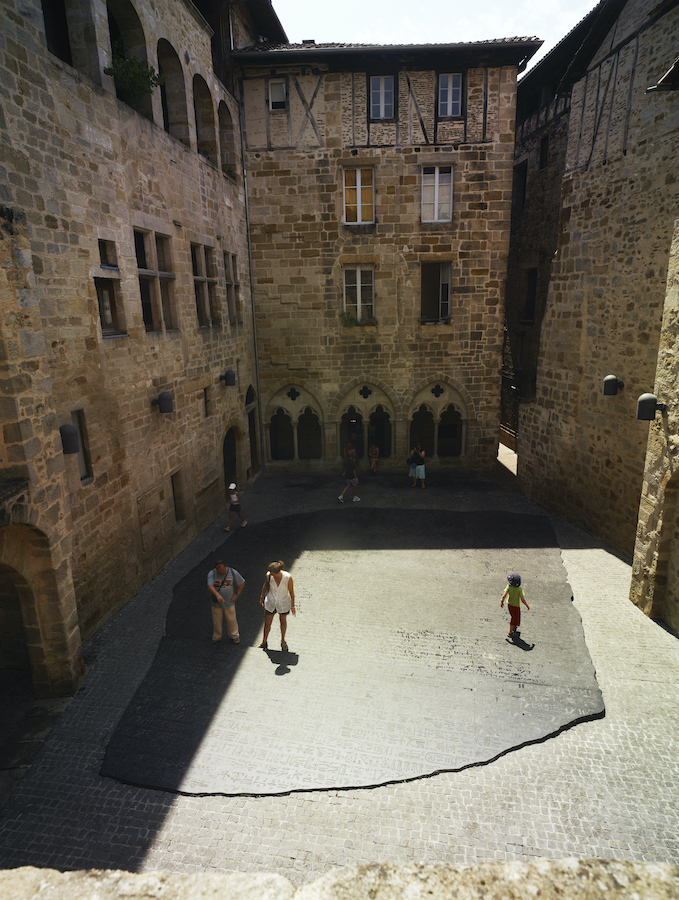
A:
(225, 585)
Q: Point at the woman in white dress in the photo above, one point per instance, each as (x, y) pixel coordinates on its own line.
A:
(278, 596)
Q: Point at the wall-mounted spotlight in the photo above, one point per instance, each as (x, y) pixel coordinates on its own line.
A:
(70, 440)
(164, 402)
(229, 378)
(612, 385)
(647, 406)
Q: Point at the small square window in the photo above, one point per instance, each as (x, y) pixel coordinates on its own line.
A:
(277, 95)
(382, 97)
(107, 255)
(450, 95)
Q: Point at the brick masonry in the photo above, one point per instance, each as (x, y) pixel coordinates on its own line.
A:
(582, 453)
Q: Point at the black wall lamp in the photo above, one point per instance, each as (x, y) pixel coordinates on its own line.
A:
(69, 439)
(164, 402)
(612, 385)
(647, 406)
(229, 378)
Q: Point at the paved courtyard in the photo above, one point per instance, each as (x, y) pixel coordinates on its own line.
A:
(608, 787)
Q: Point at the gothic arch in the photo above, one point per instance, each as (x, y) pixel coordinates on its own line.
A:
(47, 609)
(393, 406)
(451, 410)
(294, 406)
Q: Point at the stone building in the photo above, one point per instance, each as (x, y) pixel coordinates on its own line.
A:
(379, 184)
(128, 379)
(612, 123)
(655, 570)
(373, 210)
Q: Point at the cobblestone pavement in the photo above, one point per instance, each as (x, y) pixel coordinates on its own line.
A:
(606, 788)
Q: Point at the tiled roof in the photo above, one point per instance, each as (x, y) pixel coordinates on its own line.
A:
(309, 45)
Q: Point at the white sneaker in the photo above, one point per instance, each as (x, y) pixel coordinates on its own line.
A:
(356, 499)
(341, 499)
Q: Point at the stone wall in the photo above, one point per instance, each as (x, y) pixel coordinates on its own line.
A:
(82, 171)
(568, 879)
(655, 571)
(301, 247)
(581, 453)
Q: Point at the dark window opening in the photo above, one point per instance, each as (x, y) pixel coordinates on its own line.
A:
(56, 29)
(435, 292)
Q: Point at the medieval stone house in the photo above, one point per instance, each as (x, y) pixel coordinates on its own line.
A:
(379, 184)
(159, 297)
(596, 196)
(127, 354)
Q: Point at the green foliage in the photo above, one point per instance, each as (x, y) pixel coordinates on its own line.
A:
(132, 78)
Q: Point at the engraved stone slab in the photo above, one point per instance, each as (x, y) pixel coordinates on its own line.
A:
(398, 664)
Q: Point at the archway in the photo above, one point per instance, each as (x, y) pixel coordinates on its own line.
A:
(351, 431)
(281, 436)
(450, 432)
(309, 443)
(379, 431)
(173, 93)
(230, 457)
(38, 614)
(422, 429)
(128, 43)
(205, 119)
(13, 641)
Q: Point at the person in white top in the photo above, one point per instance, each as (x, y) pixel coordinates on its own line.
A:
(234, 506)
(278, 596)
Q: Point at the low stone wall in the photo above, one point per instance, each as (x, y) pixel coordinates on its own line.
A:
(569, 878)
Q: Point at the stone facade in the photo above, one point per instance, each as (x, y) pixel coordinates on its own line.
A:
(655, 572)
(133, 368)
(394, 369)
(582, 453)
(124, 275)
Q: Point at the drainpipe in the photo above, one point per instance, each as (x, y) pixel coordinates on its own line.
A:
(262, 449)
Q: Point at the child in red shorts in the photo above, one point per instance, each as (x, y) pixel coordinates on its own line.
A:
(514, 595)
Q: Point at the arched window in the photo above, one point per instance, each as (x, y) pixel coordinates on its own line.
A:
(280, 436)
(351, 431)
(129, 60)
(450, 432)
(173, 93)
(309, 435)
(379, 431)
(422, 429)
(205, 119)
(227, 141)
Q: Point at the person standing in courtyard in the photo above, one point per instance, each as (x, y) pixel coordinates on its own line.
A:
(234, 506)
(374, 455)
(350, 477)
(514, 596)
(225, 586)
(416, 460)
(278, 596)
